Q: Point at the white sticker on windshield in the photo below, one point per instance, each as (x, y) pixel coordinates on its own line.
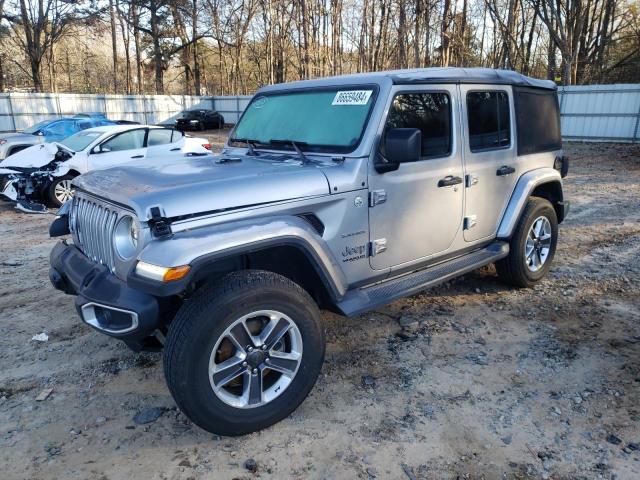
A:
(352, 97)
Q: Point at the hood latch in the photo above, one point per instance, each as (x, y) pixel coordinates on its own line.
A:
(160, 226)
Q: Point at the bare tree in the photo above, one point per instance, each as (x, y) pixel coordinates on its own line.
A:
(37, 26)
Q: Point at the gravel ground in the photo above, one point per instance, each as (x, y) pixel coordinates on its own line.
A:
(470, 380)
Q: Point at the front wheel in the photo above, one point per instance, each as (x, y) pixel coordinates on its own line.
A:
(532, 246)
(243, 353)
(60, 190)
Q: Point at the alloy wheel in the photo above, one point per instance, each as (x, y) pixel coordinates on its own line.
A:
(255, 359)
(63, 191)
(538, 244)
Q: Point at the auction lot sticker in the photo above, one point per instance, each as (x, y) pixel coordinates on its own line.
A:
(352, 97)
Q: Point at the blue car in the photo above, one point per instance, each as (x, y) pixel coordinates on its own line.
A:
(49, 131)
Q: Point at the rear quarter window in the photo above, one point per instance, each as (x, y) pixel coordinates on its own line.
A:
(537, 120)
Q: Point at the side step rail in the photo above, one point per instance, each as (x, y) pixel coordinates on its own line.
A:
(367, 298)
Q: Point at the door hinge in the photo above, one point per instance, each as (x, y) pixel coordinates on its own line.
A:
(377, 246)
(470, 222)
(470, 180)
(376, 197)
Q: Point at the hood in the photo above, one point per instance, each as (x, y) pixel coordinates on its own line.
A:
(15, 137)
(185, 185)
(32, 157)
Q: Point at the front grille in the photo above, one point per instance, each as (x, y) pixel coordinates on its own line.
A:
(93, 225)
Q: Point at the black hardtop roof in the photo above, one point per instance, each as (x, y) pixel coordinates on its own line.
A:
(468, 75)
(425, 76)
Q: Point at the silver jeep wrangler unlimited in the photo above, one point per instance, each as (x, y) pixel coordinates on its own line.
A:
(340, 193)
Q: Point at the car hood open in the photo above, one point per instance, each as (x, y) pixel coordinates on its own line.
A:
(188, 185)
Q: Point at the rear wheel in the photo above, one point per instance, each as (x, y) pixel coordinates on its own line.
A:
(243, 353)
(60, 190)
(532, 246)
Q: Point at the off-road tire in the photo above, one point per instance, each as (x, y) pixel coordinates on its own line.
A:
(202, 320)
(513, 269)
(49, 193)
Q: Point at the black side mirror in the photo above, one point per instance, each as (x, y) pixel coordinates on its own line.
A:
(401, 145)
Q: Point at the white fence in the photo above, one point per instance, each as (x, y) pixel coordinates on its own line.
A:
(20, 110)
(597, 113)
(230, 107)
(588, 112)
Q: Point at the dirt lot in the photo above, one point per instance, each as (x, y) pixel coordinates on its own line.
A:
(482, 381)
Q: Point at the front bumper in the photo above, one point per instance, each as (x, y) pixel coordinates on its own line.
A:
(103, 300)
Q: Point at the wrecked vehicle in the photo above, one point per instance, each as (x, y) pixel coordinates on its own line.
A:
(341, 193)
(48, 131)
(44, 172)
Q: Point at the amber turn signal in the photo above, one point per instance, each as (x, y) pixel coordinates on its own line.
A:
(176, 273)
(162, 274)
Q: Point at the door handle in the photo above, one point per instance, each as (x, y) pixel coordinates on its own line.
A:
(175, 149)
(449, 181)
(138, 156)
(505, 170)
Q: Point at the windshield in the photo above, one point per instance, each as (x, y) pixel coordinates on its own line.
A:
(80, 140)
(35, 128)
(321, 120)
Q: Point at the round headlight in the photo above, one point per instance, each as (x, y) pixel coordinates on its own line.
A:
(125, 237)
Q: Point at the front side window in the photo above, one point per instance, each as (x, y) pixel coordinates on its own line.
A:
(320, 120)
(130, 140)
(488, 116)
(159, 136)
(428, 112)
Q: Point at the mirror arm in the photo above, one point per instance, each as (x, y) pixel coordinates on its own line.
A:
(383, 165)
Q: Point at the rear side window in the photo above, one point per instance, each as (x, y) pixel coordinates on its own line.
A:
(130, 140)
(537, 120)
(159, 136)
(489, 126)
(177, 135)
(428, 112)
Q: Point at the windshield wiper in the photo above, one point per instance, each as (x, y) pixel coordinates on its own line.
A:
(251, 145)
(295, 146)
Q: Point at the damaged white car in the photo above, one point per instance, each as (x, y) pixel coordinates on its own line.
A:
(42, 174)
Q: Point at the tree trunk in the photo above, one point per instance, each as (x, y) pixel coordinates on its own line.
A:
(157, 51)
(194, 49)
(136, 40)
(444, 30)
(114, 49)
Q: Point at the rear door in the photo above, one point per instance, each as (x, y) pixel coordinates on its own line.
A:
(422, 209)
(164, 140)
(490, 157)
(123, 147)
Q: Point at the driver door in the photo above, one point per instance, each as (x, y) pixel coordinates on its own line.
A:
(121, 148)
(413, 213)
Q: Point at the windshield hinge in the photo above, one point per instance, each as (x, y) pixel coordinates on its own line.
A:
(160, 226)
